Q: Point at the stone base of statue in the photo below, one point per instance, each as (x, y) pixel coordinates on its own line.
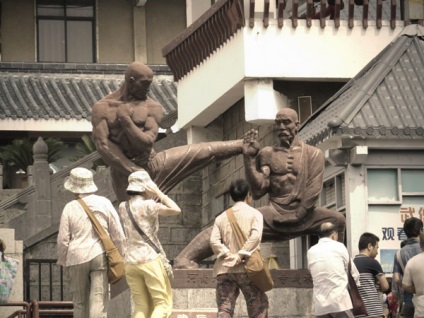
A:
(194, 296)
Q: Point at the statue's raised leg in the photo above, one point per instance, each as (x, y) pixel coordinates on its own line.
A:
(197, 250)
(171, 166)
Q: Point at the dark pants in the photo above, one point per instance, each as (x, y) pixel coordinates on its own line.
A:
(228, 289)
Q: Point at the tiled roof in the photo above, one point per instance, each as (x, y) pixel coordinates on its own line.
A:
(385, 100)
(31, 91)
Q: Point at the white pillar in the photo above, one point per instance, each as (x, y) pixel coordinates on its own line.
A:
(356, 206)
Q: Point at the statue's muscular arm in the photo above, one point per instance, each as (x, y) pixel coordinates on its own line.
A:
(141, 123)
(110, 152)
(257, 174)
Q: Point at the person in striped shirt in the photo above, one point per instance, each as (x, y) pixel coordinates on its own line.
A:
(371, 275)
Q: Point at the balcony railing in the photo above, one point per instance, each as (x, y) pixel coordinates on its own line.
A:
(226, 17)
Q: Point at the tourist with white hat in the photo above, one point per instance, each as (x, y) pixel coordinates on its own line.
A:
(145, 260)
(80, 249)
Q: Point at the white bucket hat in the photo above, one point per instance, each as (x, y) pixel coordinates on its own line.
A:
(137, 181)
(80, 181)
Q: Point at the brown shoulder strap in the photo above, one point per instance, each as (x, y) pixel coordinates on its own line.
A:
(107, 242)
(240, 237)
(399, 259)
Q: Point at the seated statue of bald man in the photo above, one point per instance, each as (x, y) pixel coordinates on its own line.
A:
(291, 173)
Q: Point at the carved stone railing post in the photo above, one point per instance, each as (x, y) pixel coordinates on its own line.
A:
(41, 209)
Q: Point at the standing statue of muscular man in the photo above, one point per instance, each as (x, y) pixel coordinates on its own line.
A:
(125, 126)
(291, 173)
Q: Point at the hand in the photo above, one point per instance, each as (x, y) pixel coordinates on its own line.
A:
(232, 260)
(251, 145)
(152, 189)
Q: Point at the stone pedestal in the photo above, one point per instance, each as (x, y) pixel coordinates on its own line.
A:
(194, 296)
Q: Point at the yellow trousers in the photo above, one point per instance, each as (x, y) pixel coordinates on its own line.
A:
(150, 289)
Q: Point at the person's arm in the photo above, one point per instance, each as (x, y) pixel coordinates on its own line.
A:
(397, 275)
(407, 281)
(218, 247)
(167, 207)
(115, 230)
(255, 236)
(63, 238)
(355, 273)
(384, 284)
(258, 179)
(109, 151)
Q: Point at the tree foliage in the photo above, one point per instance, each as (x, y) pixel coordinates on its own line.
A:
(85, 148)
(19, 152)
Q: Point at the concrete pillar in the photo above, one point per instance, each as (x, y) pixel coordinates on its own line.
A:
(356, 206)
(140, 34)
(195, 8)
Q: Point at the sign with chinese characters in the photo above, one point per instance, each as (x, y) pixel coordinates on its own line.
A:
(203, 278)
(386, 221)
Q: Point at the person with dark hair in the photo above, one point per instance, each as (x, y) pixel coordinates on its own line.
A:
(371, 275)
(412, 227)
(144, 268)
(229, 269)
(328, 262)
(397, 291)
(413, 279)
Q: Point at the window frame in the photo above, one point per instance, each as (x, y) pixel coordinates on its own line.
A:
(65, 18)
(400, 192)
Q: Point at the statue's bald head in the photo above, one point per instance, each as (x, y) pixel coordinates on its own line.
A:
(136, 70)
(288, 112)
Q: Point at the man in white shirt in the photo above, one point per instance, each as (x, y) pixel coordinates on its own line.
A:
(328, 263)
(413, 280)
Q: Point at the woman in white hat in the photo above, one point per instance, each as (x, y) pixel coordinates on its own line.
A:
(80, 249)
(144, 267)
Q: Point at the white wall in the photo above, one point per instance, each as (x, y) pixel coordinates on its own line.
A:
(302, 53)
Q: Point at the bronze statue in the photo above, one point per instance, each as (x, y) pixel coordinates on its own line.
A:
(291, 173)
(125, 126)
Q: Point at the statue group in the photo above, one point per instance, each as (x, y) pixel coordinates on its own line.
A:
(126, 124)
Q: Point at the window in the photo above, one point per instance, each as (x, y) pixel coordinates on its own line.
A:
(412, 182)
(65, 31)
(391, 186)
(333, 193)
(304, 108)
(383, 186)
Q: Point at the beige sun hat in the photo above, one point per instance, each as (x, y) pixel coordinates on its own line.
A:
(80, 181)
(137, 181)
